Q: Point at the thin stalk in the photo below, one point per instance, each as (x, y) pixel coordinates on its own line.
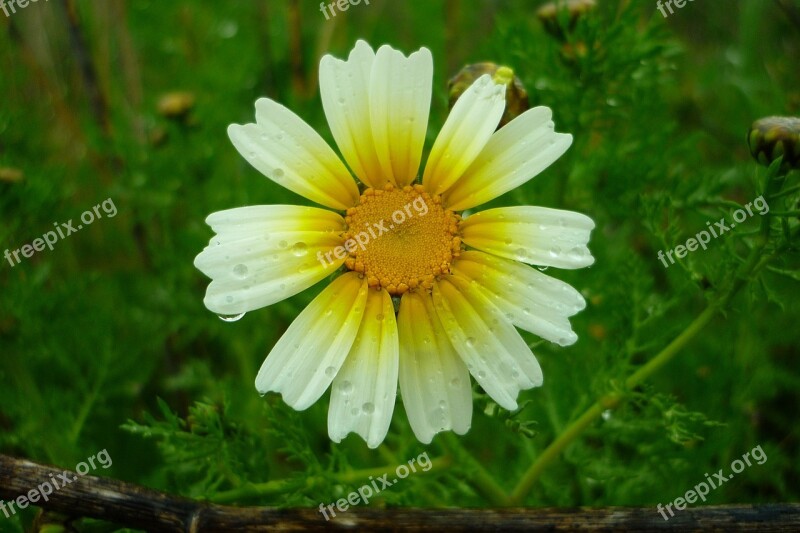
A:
(755, 262)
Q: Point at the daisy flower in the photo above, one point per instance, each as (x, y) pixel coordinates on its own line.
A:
(430, 296)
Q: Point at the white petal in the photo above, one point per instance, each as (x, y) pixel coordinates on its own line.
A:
(434, 381)
(515, 153)
(465, 132)
(495, 353)
(533, 301)
(344, 88)
(289, 152)
(365, 389)
(305, 360)
(266, 253)
(533, 235)
(400, 99)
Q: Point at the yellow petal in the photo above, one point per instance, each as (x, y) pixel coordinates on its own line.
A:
(515, 153)
(344, 88)
(400, 99)
(465, 132)
(263, 254)
(305, 360)
(494, 352)
(532, 300)
(289, 152)
(433, 380)
(533, 235)
(365, 389)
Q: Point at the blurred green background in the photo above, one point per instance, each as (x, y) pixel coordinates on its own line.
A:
(130, 101)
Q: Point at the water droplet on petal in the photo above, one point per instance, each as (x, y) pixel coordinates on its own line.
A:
(283, 244)
(555, 251)
(231, 318)
(330, 371)
(470, 342)
(240, 271)
(278, 172)
(346, 387)
(368, 408)
(300, 249)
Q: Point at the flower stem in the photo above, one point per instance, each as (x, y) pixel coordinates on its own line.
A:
(483, 482)
(755, 262)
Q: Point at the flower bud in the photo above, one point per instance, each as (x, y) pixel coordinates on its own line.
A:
(549, 14)
(516, 96)
(176, 105)
(772, 137)
(11, 175)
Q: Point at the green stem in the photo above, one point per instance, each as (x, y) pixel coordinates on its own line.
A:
(483, 482)
(785, 213)
(753, 264)
(787, 191)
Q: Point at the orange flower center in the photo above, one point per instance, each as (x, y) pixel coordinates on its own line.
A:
(401, 239)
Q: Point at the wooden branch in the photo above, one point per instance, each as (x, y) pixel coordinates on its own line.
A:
(138, 507)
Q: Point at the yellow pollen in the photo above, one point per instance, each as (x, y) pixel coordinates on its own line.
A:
(401, 239)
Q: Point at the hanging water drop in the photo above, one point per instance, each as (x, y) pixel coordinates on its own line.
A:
(231, 318)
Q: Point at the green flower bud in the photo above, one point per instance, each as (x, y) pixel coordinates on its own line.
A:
(772, 137)
(549, 15)
(516, 96)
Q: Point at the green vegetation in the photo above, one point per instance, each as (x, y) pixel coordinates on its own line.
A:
(105, 342)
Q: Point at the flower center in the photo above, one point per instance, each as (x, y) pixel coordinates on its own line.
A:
(401, 239)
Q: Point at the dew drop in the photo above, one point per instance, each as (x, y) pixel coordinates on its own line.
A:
(481, 374)
(368, 408)
(455, 382)
(379, 317)
(470, 342)
(240, 271)
(354, 411)
(283, 244)
(231, 318)
(278, 172)
(330, 371)
(346, 387)
(555, 251)
(300, 249)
